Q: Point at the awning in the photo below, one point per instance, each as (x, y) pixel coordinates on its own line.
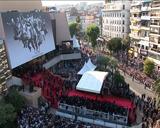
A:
(75, 42)
(92, 81)
(89, 66)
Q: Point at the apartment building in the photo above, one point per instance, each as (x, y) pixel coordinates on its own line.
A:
(154, 50)
(140, 26)
(5, 73)
(116, 18)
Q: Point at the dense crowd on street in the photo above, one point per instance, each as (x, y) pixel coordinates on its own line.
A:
(137, 75)
(150, 113)
(120, 90)
(94, 105)
(30, 117)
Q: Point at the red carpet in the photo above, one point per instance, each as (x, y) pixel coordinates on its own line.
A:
(51, 86)
(125, 103)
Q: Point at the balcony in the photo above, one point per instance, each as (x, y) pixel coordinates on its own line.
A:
(155, 16)
(113, 6)
(154, 34)
(135, 10)
(135, 19)
(147, 28)
(146, 1)
(145, 9)
(136, 3)
(134, 36)
(145, 38)
(154, 50)
(155, 41)
(155, 6)
(137, 27)
(145, 17)
(155, 24)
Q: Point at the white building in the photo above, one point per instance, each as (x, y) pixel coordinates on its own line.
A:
(116, 18)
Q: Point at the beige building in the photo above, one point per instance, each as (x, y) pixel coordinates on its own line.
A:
(140, 26)
(154, 50)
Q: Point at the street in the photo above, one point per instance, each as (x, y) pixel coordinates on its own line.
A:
(136, 87)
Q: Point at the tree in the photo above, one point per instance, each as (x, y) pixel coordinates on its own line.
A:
(103, 61)
(156, 88)
(78, 28)
(13, 97)
(118, 78)
(93, 33)
(148, 67)
(7, 116)
(126, 46)
(73, 11)
(113, 63)
(73, 28)
(78, 20)
(115, 45)
(126, 43)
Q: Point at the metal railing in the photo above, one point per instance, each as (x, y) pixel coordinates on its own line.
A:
(82, 111)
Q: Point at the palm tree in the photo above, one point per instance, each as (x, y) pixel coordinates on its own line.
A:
(156, 88)
(126, 46)
(103, 62)
(113, 64)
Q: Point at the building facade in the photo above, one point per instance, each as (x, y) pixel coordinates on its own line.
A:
(115, 16)
(140, 27)
(154, 50)
(145, 29)
(5, 73)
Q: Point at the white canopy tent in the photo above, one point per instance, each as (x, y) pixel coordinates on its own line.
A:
(89, 66)
(75, 42)
(92, 81)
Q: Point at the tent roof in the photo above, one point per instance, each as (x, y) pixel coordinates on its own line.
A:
(92, 81)
(75, 42)
(89, 66)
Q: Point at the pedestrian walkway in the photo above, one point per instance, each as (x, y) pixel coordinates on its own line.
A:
(137, 87)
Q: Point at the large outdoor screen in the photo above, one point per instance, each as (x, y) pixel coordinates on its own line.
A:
(28, 36)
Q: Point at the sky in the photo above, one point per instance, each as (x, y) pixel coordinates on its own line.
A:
(72, 2)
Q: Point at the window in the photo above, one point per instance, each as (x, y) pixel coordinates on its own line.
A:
(123, 15)
(123, 22)
(155, 46)
(123, 7)
(146, 47)
(123, 29)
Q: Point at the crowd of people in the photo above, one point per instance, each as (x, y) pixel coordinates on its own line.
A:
(94, 105)
(61, 122)
(30, 117)
(150, 113)
(120, 90)
(137, 75)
